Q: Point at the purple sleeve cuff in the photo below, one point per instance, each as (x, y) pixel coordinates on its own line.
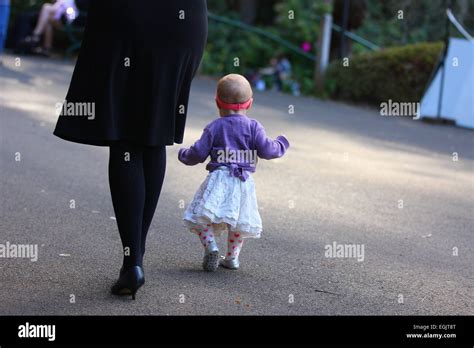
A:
(284, 141)
(181, 156)
(198, 152)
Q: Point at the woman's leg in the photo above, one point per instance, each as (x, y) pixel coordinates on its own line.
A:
(47, 12)
(127, 186)
(48, 36)
(154, 166)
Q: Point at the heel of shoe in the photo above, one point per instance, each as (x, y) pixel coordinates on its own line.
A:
(232, 264)
(210, 262)
(129, 282)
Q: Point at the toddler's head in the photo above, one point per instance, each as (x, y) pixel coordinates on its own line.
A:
(234, 95)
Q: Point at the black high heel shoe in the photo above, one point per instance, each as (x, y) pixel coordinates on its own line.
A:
(131, 279)
(123, 269)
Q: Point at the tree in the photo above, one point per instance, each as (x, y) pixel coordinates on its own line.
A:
(356, 14)
(248, 11)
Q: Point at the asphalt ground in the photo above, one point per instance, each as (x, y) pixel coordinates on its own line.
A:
(341, 182)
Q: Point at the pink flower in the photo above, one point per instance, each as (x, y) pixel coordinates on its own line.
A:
(306, 46)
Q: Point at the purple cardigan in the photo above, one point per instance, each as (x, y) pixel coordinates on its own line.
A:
(234, 141)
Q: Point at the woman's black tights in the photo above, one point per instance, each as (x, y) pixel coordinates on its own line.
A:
(136, 176)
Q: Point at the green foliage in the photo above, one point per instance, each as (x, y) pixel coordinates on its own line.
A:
(397, 73)
(222, 7)
(27, 4)
(423, 20)
(303, 27)
(19, 6)
(225, 44)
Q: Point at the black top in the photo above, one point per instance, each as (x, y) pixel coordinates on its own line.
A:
(135, 67)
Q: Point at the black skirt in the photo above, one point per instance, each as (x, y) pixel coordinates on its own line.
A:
(133, 75)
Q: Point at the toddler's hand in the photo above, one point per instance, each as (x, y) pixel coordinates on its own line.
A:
(284, 140)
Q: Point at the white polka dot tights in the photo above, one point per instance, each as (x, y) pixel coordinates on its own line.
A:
(207, 238)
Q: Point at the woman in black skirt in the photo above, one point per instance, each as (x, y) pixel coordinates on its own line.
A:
(130, 91)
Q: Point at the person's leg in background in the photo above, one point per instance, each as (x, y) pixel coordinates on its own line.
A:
(48, 37)
(46, 13)
(45, 26)
(278, 82)
(154, 167)
(4, 17)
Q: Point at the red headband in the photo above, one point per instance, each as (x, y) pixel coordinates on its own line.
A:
(234, 107)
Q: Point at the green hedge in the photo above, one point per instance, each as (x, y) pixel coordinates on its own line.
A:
(397, 73)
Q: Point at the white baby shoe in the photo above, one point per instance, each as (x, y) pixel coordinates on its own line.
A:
(210, 263)
(230, 263)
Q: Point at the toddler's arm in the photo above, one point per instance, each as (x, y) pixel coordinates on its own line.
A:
(198, 152)
(268, 148)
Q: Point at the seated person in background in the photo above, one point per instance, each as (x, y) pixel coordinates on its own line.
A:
(282, 68)
(281, 71)
(51, 16)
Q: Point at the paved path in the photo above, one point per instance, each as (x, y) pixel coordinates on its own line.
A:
(341, 182)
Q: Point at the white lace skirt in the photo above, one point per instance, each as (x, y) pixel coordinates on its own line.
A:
(227, 203)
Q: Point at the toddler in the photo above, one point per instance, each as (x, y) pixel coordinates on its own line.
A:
(226, 200)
